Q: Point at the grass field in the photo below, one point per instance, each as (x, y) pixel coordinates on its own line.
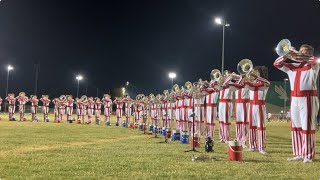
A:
(72, 151)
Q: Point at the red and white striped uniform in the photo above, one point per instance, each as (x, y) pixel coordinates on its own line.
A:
(107, 102)
(241, 112)
(79, 107)
(69, 108)
(188, 103)
(97, 106)
(34, 108)
(211, 111)
(164, 113)
(45, 108)
(127, 109)
(11, 101)
(90, 110)
(170, 111)
(84, 110)
(62, 109)
(154, 113)
(197, 111)
(138, 112)
(22, 100)
(119, 104)
(56, 109)
(177, 112)
(304, 104)
(257, 114)
(225, 112)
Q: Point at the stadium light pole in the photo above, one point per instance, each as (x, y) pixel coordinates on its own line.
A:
(79, 78)
(284, 99)
(123, 91)
(224, 24)
(172, 75)
(9, 68)
(127, 84)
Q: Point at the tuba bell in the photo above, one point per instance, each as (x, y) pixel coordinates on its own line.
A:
(245, 66)
(284, 48)
(215, 74)
(188, 85)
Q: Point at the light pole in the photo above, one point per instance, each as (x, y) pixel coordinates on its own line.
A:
(79, 78)
(172, 75)
(224, 24)
(9, 68)
(127, 84)
(123, 91)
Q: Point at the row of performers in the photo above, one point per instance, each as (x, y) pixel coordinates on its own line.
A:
(199, 104)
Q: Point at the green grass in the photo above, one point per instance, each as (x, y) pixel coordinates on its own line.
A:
(72, 151)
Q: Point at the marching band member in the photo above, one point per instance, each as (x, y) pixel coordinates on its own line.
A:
(34, 107)
(127, 108)
(138, 106)
(258, 88)
(107, 104)
(119, 103)
(304, 101)
(163, 111)
(212, 93)
(90, 109)
(145, 111)
(241, 102)
(62, 107)
(176, 93)
(22, 100)
(225, 108)
(183, 116)
(188, 104)
(97, 106)
(11, 101)
(69, 108)
(45, 108)
(56, 103)
(153, 109)
(170, 109)
(79, 106)
(84, 100)
(242, 106)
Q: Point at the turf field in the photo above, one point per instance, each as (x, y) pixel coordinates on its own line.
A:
(72, 151)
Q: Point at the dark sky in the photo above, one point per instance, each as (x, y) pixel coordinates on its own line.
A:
(111, 42)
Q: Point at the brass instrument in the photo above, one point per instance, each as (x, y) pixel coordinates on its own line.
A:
(84, 98)
(188, 85)
(245, 66)
(215, 75)
(284, 48)
(106, 96)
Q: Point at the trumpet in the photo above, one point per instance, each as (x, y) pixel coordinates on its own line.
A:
(284, 48)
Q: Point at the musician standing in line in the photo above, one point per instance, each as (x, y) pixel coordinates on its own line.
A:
(90, 109)
(107, 104)
(258, 88)
(34, 107)
(304, 101)
(211, 108)
(69, 107)
(45, 107)
(0, 102)
(97, 106)
(12, 106)
(22, 100)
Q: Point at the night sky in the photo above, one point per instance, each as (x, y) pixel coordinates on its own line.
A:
(111, 42)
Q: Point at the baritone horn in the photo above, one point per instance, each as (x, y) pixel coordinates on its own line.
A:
(245, 66)
(215, 75)
(284, 48)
